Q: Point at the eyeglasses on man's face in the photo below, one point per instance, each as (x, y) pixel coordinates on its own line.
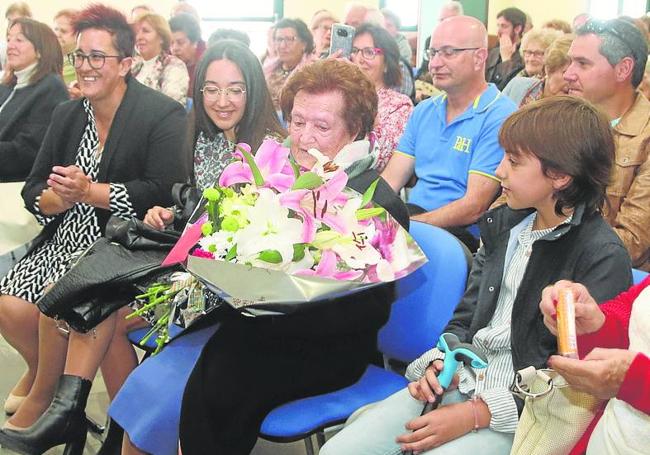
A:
(212, 92)
(367, 52)
(96, 60)
(447, 52)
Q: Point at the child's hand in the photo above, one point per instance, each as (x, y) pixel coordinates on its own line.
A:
(427, 387)
(437, 427)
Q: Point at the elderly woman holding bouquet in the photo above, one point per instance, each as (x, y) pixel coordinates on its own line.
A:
(251, 365)
(332, 107)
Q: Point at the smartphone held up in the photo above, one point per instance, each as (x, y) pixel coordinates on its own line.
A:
(342, 36)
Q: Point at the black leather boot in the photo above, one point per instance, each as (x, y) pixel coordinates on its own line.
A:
(64, 422)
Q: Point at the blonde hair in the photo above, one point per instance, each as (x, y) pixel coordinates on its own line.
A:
(543, 36)
(160, 25)
(557, 54)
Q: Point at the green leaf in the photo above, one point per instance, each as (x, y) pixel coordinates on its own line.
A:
(270, 256)
(369, 193)
(294, 166)
(257, 175)
(298, 252)
(232, 253)
(307, 181)
(364, 214)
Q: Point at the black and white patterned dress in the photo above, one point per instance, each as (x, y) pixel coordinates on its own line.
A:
(77, 231)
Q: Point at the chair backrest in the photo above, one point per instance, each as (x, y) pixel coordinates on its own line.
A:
(638, 275)
(426, 299)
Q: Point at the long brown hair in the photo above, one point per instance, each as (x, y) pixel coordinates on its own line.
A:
(48, 49)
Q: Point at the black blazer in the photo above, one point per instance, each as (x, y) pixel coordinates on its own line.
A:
(23, 123)
(143, 151)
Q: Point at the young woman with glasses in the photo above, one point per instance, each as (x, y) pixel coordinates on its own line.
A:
(376, 53)
(231, 105)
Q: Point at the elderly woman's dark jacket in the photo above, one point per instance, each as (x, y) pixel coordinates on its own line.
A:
(23, 123)
(144, 150)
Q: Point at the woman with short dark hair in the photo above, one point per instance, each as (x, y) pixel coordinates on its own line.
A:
(293, 47)
(115, 152)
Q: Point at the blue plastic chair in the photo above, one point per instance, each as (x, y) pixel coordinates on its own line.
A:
(425, 302)
(638, 276)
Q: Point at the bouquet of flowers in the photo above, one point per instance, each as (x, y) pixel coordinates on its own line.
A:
(274, 237)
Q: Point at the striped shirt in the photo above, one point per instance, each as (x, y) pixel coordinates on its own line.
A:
(493, 384)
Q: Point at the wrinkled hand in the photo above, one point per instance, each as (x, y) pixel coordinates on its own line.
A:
(158, 217)
(506, 47)
(427, 387)
(589, 317)
(600, 373)
(437, 427)
(69, 183)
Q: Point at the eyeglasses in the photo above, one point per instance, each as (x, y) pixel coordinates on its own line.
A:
(96, 60)
(448, 51)
(367, 52)
(212, 93)
(538, 54)
(288, 40)
(599, 27)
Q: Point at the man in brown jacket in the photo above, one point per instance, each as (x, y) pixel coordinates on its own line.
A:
(607, 64)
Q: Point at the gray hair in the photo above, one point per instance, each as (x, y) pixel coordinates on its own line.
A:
(619, 39)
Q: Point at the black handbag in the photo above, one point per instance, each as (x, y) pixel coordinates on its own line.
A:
(102, 280)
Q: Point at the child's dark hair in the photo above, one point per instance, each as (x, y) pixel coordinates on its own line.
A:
(570, 136)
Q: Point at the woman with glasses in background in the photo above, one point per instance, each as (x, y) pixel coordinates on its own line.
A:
(115, 152)
(524, 90)
(375, 52)
(154, 66)
(29, 92)
(293, 47)
(533, 45)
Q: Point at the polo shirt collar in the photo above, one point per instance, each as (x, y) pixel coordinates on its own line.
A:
(480, 104)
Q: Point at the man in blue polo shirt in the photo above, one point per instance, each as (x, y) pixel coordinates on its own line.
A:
(451, 141)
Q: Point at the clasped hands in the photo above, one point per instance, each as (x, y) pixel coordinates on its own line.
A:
(70, 184)
(442, 424)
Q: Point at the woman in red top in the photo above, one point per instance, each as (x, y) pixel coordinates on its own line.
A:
(615, 364)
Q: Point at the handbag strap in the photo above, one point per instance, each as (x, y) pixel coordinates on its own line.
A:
(524, 379)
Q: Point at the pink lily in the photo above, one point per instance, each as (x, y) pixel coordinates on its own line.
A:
(271, 167)
(326, 268)
(318, 205)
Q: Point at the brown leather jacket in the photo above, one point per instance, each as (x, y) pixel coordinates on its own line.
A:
(629, 190)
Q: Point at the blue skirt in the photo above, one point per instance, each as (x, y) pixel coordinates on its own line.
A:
(148, 406)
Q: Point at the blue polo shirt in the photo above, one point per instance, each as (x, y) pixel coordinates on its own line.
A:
(445, 154)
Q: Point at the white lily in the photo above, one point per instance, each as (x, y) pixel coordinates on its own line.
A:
(270, 228)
